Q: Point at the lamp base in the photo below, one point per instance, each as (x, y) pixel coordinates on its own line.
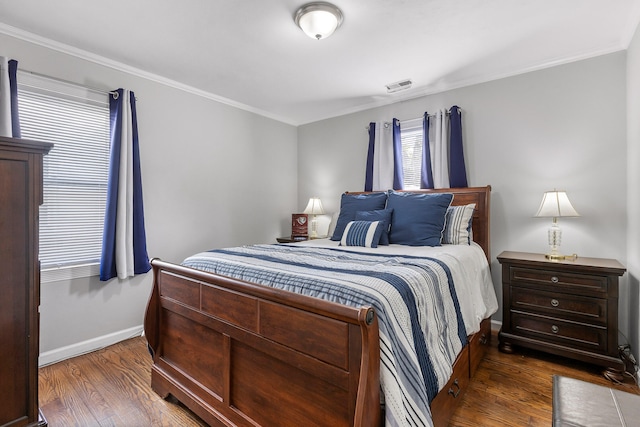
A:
(560, 257)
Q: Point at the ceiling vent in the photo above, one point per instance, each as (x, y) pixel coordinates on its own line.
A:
(398, 86)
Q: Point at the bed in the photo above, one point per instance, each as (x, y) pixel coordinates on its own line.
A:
(237, 352)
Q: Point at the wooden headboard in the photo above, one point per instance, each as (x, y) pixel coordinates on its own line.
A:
(481, 196)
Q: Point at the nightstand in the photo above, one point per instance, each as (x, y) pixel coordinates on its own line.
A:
(568, 308)
(291, 239)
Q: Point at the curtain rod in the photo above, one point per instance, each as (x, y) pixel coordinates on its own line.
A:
(387, 124)
(57, 79)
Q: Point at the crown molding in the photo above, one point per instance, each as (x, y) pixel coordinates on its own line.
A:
(119, 66)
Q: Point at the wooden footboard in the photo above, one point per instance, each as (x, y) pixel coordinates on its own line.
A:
(243, 354)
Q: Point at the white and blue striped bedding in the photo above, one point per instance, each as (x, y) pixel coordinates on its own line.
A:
(421, 325)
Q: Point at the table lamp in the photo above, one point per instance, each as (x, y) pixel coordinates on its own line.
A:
(556, 204)
(314, 207)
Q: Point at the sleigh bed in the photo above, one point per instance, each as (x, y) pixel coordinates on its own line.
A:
(241, 353)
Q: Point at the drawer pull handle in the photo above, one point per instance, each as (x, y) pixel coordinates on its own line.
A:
(457, 392)
(554, 279)
(555, 302)
(554, 329)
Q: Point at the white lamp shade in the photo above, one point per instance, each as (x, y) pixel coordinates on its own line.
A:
(314, 207)
(556, 204)
(318, 20)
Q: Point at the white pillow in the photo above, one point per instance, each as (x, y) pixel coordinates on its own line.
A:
(457, 227)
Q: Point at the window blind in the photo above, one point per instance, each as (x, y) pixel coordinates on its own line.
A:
(76, 121)
(411, 156)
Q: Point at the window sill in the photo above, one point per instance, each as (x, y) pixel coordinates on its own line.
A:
(59, 274)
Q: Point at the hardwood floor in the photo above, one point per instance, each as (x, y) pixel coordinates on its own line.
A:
(110, 387)
(516, 389)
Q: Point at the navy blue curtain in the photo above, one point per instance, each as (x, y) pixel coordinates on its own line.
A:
(13, 91)
(398, 174)
(368, 180)
(108, 258)
(109, 267)
(426, 173)
(457, 170)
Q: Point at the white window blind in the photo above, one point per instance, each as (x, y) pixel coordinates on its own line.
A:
(76, 121)
(411, 137)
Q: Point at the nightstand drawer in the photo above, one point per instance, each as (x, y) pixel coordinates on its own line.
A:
(561, 281)
(565, 306)
(570, 334)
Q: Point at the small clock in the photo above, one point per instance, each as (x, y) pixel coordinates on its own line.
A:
(299, 225)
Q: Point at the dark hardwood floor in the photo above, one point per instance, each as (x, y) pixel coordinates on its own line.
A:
(110, 387)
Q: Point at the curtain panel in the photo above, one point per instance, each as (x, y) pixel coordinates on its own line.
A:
(124, 247)
(457, 169)
(9, 117)
(426, 171)
(442, 163)
(384, 157)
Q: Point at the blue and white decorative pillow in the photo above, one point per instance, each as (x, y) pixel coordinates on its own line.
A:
(382, 215)
(362, 233)
(457, 228)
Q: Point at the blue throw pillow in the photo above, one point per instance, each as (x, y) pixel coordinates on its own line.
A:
(362, 233)
(352, 203)
(418, 218)
(382, 215)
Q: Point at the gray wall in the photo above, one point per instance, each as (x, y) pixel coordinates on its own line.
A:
(213, 176)
(570, 127)
(562, 127)
(633, 195)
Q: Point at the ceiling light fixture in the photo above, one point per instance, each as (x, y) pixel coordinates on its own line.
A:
(318, 20)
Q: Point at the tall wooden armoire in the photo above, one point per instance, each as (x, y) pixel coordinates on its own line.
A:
(20, 198)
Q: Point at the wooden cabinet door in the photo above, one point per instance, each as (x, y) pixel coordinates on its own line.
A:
(20, 198)
(15, 258)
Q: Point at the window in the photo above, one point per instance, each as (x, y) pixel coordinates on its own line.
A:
(76, 121)
(411, 136)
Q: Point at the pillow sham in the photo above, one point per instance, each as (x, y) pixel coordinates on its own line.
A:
(457, 228)
(352, 203)
(362, 233)
(383, 215)
(418, 219)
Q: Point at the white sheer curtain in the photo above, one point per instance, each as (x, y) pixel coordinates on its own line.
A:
(438, 146)
(383, 164)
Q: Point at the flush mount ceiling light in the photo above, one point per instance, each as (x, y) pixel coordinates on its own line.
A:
(318, 20)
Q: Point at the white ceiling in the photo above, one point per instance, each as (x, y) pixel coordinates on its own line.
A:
(249, 53)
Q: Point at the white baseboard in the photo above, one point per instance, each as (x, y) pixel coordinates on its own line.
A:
(62, 353)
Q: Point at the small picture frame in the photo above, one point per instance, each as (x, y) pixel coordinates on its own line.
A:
(299, 225)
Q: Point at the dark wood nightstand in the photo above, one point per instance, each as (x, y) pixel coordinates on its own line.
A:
(568, 308)
(291, 239)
